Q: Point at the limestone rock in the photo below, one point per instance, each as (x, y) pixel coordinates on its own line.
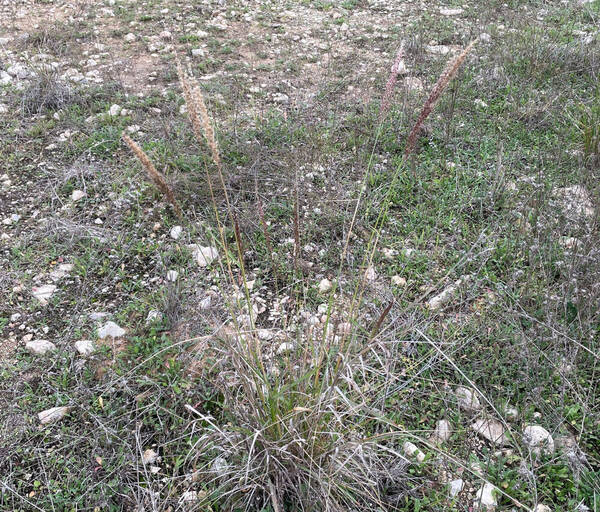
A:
(442, 432)
(411, 450)
(43, 293)
(204, 256)
(325, 286)
(149, 456)
(76, 195)
(538, 439)
(52, 415)
(451, 12)
(486, 499)
(40, 347)
(467, 399)
(111, 329)
(85, 347)
(175, 232)
(446, 295)
(491, 430)
(456, 486)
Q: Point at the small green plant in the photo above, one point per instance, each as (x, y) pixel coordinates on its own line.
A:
(589, 129)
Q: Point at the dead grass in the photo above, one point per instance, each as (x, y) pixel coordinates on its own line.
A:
(46, 92)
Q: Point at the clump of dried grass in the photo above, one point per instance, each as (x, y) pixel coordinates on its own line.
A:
(440, 86)
(46, 91)
(295, 435)
(157, 178)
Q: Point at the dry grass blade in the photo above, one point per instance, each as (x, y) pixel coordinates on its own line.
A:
(158, 179)
(263, 223)
(439, 87)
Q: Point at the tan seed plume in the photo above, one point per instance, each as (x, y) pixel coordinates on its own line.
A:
(198, 113)
(443, 81)
(158, 179)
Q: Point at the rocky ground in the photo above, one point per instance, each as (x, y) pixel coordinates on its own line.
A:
(469, 380)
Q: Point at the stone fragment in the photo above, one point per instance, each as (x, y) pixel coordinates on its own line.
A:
(111, 329)
(52, 415)
(40, 347)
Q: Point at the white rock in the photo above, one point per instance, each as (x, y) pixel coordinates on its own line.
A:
(370, 274)
(5, 78)
(480, 103)
(15, 317)
(538, 439)
(451, 12)
(153, 316)
(63, 270)
(175, 232)
(111, 329)
(166, 35)
(485, 38)
(198, 52)
(438, 49)
(542, 508)
(220, 466)
(456, 486)
(467, 399)
(85, 347)
(446, 295)
(76, 195)
(40, 347)
(412, 83)
(52, 415)
(264, 334)
(149, 456)
(411, 450)
(114, 110)
(325, 286)
(205, 303)
(398, 281)
(172, 275)
(285, 348)
(43, 293)
(130, 38)
(511, 413)
(204, 256)
(491, 430)
(485, 499)
(442, 432)
(389, 254)
(18, 71)
(279, 97)
(3, 108)
(98, 315)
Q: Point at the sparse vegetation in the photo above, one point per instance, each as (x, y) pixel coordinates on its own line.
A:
(341, 288)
